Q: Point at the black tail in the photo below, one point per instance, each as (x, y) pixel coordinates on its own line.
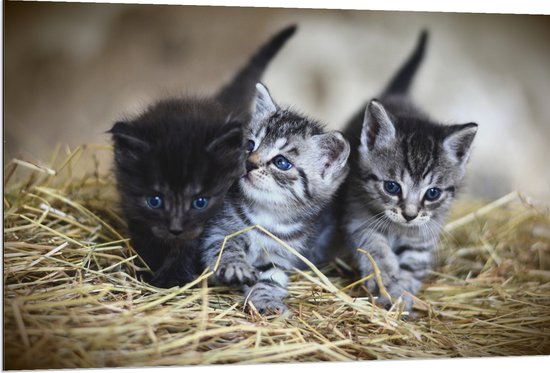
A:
(239, 94)
(401, 82)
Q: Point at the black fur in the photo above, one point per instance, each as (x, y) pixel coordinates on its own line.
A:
(181, 149)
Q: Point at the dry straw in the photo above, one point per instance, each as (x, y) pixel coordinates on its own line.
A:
(73, 298)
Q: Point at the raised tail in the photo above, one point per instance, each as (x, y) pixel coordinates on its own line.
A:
(239, 94)
(401, 82)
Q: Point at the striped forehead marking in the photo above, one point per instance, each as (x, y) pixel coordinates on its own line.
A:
(418, 159)
(281, 143)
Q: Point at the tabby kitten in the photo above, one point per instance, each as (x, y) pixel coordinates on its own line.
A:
(175, 162)
(405, 172)
(293, 170)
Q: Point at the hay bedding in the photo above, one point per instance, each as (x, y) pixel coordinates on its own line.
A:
(72, 297)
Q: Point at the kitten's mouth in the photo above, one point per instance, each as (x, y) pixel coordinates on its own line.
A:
(248, 180)
(412, 223)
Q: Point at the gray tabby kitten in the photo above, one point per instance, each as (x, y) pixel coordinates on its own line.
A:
(405, 171)
(293, 171)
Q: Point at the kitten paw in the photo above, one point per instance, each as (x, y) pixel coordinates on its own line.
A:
(388, 280)
(269, 306)
(398, 292)
(395, 283)
(171, 274)
(396, 287)
(165, 282)
(237, 272)
(267, 299)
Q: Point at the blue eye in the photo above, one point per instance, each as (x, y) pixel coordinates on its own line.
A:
(200, 203)
(432, 194)
(282, 163)
(154, 202)
(392, 187)
(250, 145)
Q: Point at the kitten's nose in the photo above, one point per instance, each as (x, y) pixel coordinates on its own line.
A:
(250, 166)
(409, 217)
(175, 231)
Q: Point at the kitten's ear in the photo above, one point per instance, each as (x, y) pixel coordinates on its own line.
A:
(125, 137)
(264, 106)
(458, 141)
(230, 138)
(378, 129)
(335, 151)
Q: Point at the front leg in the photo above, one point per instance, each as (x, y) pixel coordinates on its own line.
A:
(234, 267)
(267, 295)
(415, 260)
(179, 268)
(378, 247)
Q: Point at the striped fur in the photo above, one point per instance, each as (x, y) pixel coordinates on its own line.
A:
(393, 141)
(290, 204)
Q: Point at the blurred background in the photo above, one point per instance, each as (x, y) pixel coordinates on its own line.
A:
(72, 70)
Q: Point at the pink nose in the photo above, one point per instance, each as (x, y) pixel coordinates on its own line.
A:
(250, 166)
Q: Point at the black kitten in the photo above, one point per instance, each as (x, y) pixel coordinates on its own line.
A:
(175, 162)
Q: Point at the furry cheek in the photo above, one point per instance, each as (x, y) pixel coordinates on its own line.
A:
(393, 215)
